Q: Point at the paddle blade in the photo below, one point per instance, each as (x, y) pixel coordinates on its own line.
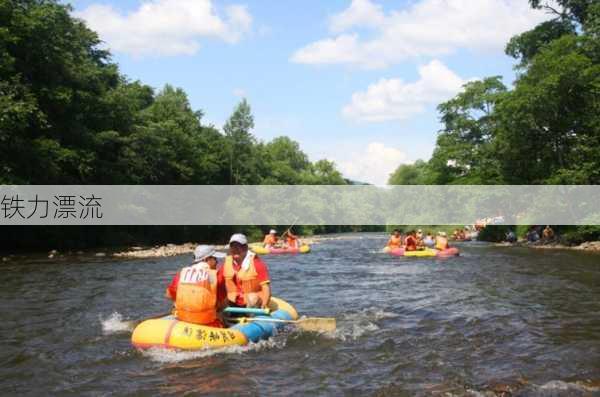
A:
(316, 324)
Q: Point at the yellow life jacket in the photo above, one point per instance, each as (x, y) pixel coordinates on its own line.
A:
(196, 300)
(441, 243)
(248, 278)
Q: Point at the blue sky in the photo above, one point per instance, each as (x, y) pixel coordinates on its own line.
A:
(353, 81)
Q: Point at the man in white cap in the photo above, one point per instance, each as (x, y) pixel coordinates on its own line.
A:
(441, 241)
(270, 239)
(194, 289)
(245, 275)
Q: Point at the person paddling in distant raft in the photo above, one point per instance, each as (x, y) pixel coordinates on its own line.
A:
(441, 241)
(292, 240)
(410, 243)
(195, 289)
(245, 275)
(271, 239)
(395, 240)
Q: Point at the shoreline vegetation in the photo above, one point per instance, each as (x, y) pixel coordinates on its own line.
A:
(171, 250)
(145, 252)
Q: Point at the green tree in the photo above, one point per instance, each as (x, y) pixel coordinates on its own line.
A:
(242, 146)
(52, 81)
(284, 161)
(465, 146)
(550, 122)
(323, 172)
(418, 173)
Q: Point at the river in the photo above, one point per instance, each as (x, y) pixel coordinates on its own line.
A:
(492, 320)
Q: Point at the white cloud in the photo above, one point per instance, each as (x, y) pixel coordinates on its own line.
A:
(239, 92)
(360, 13)
(430, 28)
(393, 99)
(373, 165)
(166, 27)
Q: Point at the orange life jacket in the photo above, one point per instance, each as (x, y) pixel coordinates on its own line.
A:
(292, 242)
(248, 279)
(441, 243)
(270, 239)
(196, 300)
(395, 242)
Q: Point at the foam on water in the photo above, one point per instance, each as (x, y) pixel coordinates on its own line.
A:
(354, 325)
(115, 324)
(162, 355)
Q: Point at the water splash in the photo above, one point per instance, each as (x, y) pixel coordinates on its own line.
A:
(162, 355)
(115, 324)
(354, 325)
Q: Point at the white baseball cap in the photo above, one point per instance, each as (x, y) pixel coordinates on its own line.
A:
(204, 251)
(273, 231)
(238, 238)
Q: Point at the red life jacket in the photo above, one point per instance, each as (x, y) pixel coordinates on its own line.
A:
(411, 244)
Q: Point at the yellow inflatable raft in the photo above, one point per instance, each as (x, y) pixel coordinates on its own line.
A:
(168, 332)
(259, 249)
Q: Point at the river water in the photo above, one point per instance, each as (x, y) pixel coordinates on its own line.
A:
(490, 321)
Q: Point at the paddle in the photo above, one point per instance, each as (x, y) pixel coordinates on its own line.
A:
(288, 229)
(246, 310)
(313, 324)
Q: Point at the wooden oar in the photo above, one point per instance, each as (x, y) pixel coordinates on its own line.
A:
(288, 229)
(314, 324)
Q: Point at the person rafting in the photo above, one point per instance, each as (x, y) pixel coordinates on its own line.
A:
(245, 275)
(292, 241)
(441, 241)
(271, 239)
(428, 241)
(395, 240)
(419, 238)
(410, 243)
(194, 289)
(511, 237)
(548, 233)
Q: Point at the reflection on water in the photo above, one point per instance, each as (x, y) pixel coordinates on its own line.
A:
(495, 320)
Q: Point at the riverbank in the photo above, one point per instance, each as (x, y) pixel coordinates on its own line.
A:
(188, 248)
(142, 252)
(589, 246)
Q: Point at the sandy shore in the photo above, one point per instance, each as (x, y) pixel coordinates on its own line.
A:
(162, 251)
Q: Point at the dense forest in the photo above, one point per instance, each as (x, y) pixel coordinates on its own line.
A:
(543, 130)
(68, 116)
